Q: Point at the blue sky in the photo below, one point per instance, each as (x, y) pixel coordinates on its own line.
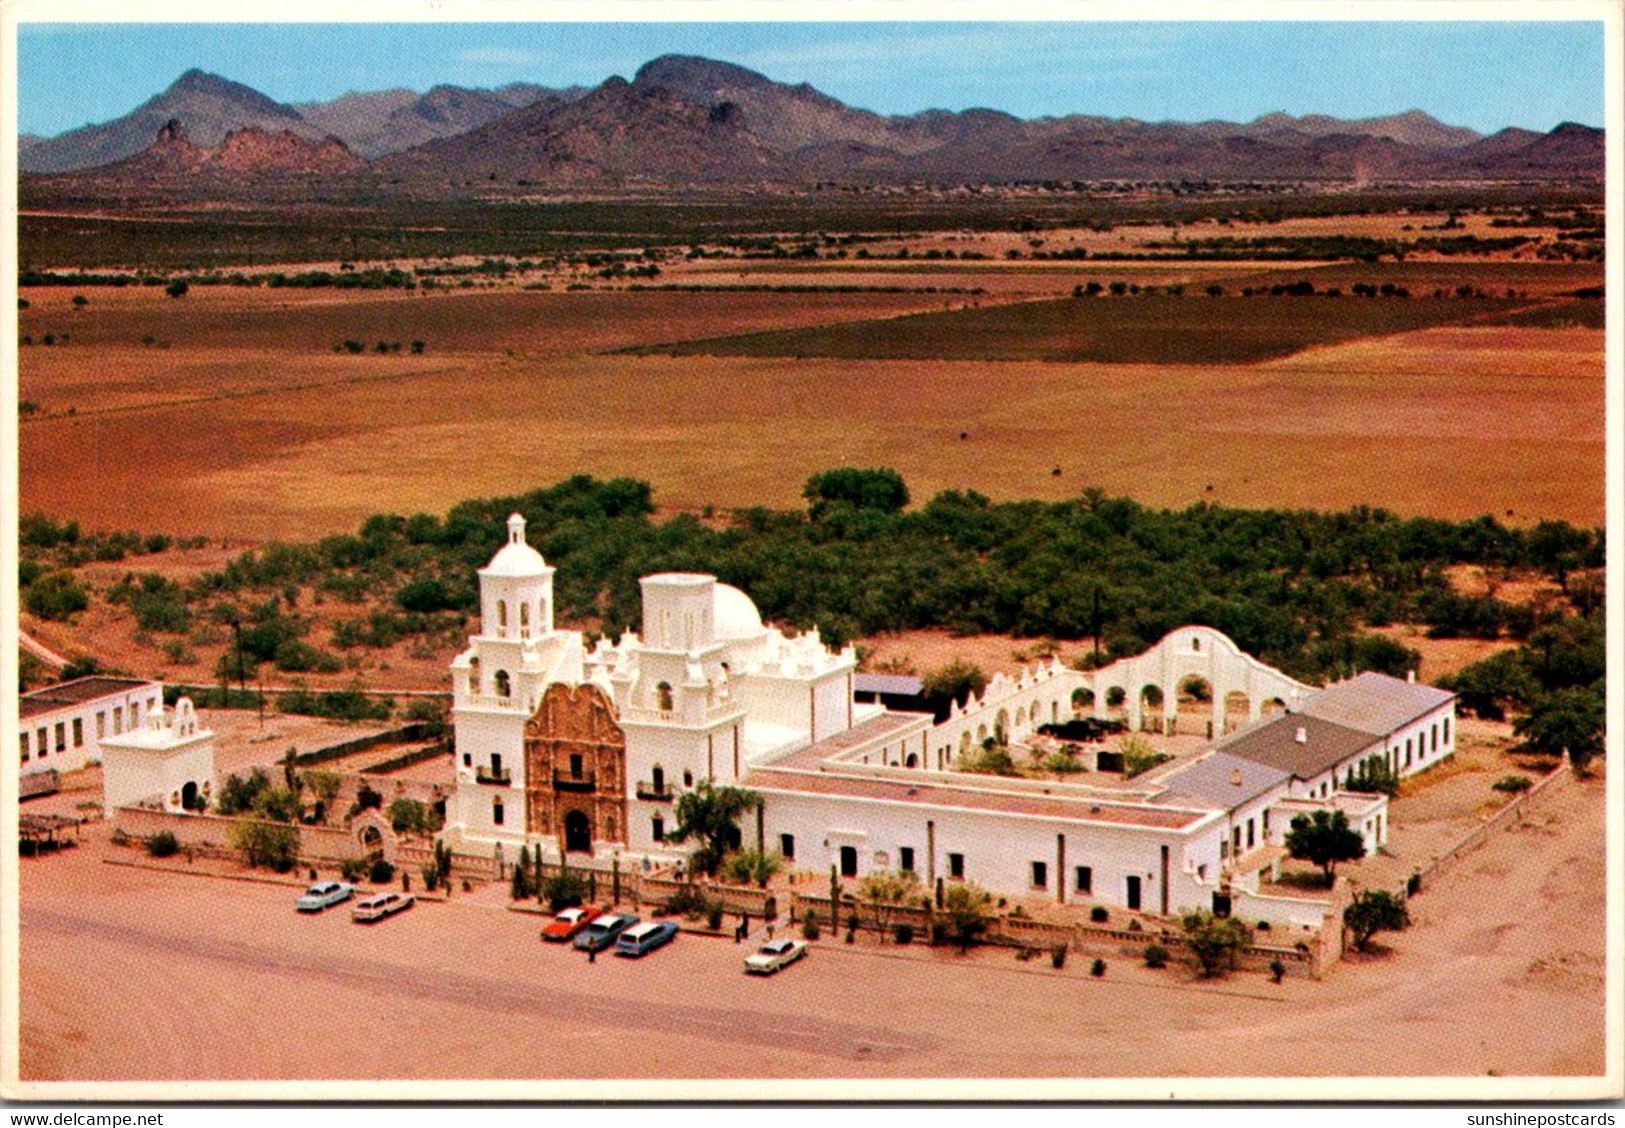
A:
(1484, 75)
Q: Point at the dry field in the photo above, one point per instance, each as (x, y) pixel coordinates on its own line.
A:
(239, 420)
(1159, 329)
(1501, 974)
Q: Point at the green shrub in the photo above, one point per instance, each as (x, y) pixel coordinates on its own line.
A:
(809, 926)
(689, 901)
(365, 799)
(1156, 955)
(565, 890)
(162, 845)
(904, 934)
(266, 844)
(279, 804)
(1098, 968)
(713, 917)
(519, 887)
(238, 794)
(1277, 970)
(413, 816)
(1057, 956)
(353, 869)
(381, 872)
(1512, 784)
(56, 596)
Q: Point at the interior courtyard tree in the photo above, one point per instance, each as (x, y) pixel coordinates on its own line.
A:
(1324, 838)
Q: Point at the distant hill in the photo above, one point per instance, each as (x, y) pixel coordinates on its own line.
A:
(251, 153)
(374, 125)
(685, 119)
(618, 131)
(208, 105)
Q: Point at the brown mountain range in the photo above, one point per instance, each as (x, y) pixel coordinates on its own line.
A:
(690, 120)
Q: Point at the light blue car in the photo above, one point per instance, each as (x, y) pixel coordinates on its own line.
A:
(322, 895)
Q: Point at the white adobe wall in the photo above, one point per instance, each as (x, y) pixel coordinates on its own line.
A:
(1046, 690)
(1434, 737)
(482, 733)
(998, 849)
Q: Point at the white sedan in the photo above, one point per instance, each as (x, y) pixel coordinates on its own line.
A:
(322, 895)
(381, 905)
(773, 955)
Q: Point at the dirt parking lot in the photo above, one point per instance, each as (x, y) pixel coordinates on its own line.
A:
(201, 978)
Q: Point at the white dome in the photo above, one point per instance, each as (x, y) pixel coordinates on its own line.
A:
(733, 614)
(516, 558)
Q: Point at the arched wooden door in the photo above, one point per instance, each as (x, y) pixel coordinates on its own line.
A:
(577, 833)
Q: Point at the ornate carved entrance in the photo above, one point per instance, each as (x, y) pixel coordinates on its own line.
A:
(575, 769)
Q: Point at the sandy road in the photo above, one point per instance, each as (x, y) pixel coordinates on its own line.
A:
(197, 978)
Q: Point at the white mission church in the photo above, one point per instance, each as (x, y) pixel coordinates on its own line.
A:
(584, 752)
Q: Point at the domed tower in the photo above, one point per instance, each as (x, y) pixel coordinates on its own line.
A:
(516, 590)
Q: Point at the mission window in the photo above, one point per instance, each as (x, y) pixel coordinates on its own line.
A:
(496, 812)
(78, 732)
(787, 846)
(657, 828)
(956, 866)
(1084, 878)
(1040, 876)
(905, 858)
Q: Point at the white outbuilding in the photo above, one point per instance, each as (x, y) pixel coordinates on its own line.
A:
(169, 761)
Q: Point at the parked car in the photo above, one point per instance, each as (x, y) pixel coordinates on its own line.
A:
(381, 905)
(566, 924)
(322, 895)
(773, 955)
(601, 932)
(642, 939)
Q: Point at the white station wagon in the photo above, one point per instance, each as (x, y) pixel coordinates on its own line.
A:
(381, 905)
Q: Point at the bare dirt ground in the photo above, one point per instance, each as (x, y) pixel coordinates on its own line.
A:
(1441, 656)
(201, 978)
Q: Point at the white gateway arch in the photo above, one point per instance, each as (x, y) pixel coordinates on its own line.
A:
(1183, 654)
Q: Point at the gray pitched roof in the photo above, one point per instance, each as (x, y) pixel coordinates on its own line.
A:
(1274, 743)
(904, 684)
(1226, 779)
(1373, 703)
